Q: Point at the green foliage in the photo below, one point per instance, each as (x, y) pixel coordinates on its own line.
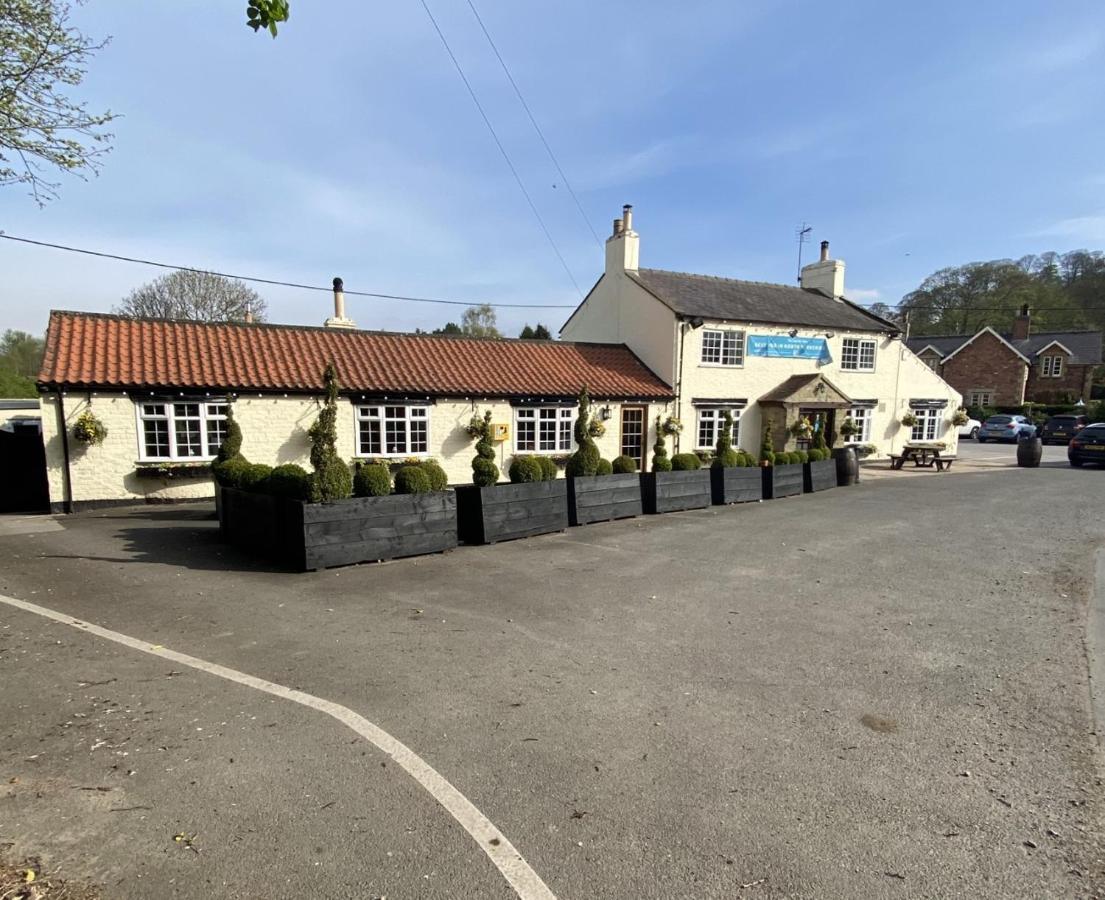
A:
(805, 456)
(17, 386)
(266, 14)
(21, 354)
(585, 460)
(332, 479)
(371, 480)
(88, 429)
(725, 457)
(291, 481)
(540, 333)
(479, 321)
(255, 477)
(685, 462)
(549, 471)
(484, 471)
(525, 470)
(660, 461)
(767, 447)
(230, 473)
(848, 428)
(624, 465)
(819, 442)
(232, 443)
(527, 333)
(439, 481)
(605, 467)
(768, 457)
(412, 480)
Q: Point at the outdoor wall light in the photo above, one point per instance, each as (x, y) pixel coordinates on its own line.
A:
(605, 413)
(793, 332)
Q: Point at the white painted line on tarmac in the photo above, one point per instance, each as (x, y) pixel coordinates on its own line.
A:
(527, 883)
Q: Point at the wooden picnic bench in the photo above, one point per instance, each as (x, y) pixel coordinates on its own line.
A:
(923, 455)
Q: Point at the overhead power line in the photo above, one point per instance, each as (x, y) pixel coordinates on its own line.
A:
(533, 121)
(502, 149)
(291, 284)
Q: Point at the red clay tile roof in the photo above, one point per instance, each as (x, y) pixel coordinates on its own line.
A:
(107, 351)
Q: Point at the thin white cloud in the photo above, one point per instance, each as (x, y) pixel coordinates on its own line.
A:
(1090, 229)
(864, 295)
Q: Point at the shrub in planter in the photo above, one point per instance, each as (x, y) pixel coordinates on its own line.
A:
(685, 462)
(232, 443)
(255, 477)
(660, 461)
(412, 480)
(624, 465)
(372, 480)
(725, 457)
(605, 467)
(439, 481)
(88, 429)
(549, 471)
(585, 460)
(332, 479)
(767, 451)
(805, 456)
(484, 471)
(291, 481)
(526, 469)
(229, 473)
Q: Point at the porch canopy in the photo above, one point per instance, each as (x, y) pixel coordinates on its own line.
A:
(797, 395)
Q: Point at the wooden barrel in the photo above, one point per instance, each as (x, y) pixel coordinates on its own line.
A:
(847, 466)
(1029, 452)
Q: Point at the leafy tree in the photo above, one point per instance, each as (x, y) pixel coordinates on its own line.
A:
(479, 321)
(20, 360)
(266, 14)
(41, 128)
(332, 479)
(585, 461)
(542, 333)
(527, 333)
(201, 296)
(450, 328)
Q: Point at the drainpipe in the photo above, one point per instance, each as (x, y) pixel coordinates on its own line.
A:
(67, 504)
(685, 325)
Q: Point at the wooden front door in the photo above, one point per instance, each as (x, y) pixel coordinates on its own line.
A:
(633, 434)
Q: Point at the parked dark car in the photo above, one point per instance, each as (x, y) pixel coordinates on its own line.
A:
(1089, 446)
(1060, 429)
(1006, 428)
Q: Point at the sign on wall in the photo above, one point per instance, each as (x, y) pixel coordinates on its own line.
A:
(782, 346)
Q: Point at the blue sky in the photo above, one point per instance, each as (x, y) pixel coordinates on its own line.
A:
(911, 138)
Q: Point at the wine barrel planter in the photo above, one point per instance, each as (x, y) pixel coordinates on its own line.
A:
(663, 492)
(781, 481)
(503, 512)
(602, 498)
(736, 484)
(819, 475)
(1029, 452)
(305, 536)
(847, 466)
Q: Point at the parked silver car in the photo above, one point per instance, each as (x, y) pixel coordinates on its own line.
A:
(1006, 428)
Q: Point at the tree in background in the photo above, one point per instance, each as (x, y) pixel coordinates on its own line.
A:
(266, 14)
(201, 296)
(20, 360)
(540, 333)
(450, 328)
(479, 321)
(41, 129)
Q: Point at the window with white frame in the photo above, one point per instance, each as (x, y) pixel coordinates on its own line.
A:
(858, 355)
(861, 417)
(710, 422)
(722, 347)
(393, 430)
(931, 361)
(976, 399)
(1051, 366)
(928, 425)
(187, 429)
(544, 429)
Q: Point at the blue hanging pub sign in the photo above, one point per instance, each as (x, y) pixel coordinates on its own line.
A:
(780, 346)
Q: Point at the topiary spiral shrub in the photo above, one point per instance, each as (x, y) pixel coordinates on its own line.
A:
(371, 480)
(660, 461)
(439, 481)
(549, 471)
(685, 462)
(605, 467)
(767, 448)
(525, 470)
(291, 481)
(230, 472)
(232, 443)
(332, 479)
(412, 480)
(725, 457)
(585, 461)
(624, 465)
(484, 471)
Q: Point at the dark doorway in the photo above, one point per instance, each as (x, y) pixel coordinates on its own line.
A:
(827, 417)
(23, 461)
(633, 434)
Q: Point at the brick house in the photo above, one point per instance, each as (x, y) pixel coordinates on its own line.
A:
(993, 369)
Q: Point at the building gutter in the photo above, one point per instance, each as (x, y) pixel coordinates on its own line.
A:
(66, 480)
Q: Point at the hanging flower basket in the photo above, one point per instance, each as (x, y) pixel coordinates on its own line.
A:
(596, 428)
(909, 420)
(801, 429)
(960, 417)
(848, 428)
(671, 426)
(88, 429)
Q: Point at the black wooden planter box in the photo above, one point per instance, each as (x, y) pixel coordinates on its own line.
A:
(663, 492)
(602, 498)
(503, 512)
(819, 475)
(781, 481)
(736, 484)
(303, 536)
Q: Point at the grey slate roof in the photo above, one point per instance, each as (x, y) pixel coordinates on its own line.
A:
(1085, 346)
(754, 301)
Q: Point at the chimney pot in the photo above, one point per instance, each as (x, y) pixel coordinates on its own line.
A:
(339, 320)
(627, 217)
(617, 227)
(824, 250)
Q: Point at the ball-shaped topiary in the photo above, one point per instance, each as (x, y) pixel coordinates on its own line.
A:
(372, 480)
(332, 479)
(291, 481)
(804, 456)
(229, 473)
(525, 470)
(605, 467)
(412, 480)
(624, 465)
(585, 460)
(439, 481)
(255, 477)
(549, 471)
(685, 462)
(484, 471)
(660, 461)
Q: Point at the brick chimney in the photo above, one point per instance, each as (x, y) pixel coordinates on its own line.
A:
(1022, 325)
(825, 275)
(623, 247)
(338, 320)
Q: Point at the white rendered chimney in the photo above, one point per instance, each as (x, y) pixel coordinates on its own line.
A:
(825, 275)
(623, 247)
(338, 320)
